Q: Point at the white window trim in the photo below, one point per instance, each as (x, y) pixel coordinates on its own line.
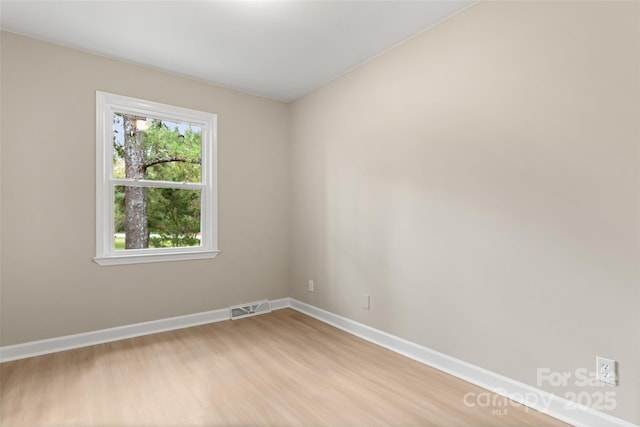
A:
(106, 105)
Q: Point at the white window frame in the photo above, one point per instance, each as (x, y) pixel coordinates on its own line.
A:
(106, 105)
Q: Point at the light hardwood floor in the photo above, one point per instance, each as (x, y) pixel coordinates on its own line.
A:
(277, 369)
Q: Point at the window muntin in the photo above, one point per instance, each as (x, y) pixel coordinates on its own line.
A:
(155, 182)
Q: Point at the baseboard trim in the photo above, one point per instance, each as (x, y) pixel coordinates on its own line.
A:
(280, 303)
(522, 393)
(70, 342)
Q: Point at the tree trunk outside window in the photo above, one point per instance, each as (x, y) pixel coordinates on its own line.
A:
(136, 229)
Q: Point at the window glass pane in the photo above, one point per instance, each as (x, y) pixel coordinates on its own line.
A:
(156, 217)
(154, 149)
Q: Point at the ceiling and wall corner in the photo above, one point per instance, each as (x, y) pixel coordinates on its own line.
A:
(277, 49)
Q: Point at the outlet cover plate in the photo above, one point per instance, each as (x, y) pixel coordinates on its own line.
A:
(366, 302)
(606, 370)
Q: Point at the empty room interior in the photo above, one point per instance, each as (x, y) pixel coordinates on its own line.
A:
(337, 213)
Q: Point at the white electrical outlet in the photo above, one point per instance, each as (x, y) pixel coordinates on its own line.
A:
(311, 286)
(366, 302)
(606, 370)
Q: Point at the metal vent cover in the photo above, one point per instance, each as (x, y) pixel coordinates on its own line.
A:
(250, 309)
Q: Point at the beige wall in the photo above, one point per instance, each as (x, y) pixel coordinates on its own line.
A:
(481, 183)
(50, 285)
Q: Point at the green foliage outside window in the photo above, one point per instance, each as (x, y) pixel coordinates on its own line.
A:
(170, 154)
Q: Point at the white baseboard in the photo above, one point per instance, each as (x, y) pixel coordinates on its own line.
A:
(69, 342)
(277, 304)
(532, 397)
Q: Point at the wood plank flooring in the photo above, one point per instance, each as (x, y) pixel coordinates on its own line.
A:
(277, 369)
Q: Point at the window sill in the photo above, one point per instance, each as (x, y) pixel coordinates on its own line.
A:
(146, 258)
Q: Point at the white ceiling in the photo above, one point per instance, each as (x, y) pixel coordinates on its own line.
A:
(277, 49)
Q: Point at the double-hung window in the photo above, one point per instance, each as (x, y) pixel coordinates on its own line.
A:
(155, 182)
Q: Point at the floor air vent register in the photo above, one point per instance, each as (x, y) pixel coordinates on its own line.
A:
(251, 309)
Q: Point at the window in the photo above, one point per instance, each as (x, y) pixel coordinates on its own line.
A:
(155, 182)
